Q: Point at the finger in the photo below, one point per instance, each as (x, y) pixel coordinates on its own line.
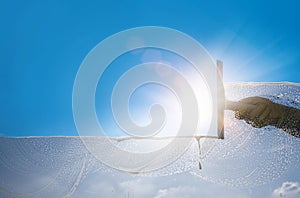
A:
(237, 115)
(257, 124)
(243, 110)
(253, 123)
(277, 111)
(264, 115)
(257, 111)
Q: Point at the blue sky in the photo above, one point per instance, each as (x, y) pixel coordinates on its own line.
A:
(44, 42)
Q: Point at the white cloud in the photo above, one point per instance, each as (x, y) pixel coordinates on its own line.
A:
(288, 189)
(121, 185)
(194, 190)
(180, 191)
(138, 187)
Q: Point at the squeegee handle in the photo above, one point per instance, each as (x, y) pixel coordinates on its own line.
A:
(235, 106)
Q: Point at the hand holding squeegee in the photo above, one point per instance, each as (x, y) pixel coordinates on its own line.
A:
(260, 112)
